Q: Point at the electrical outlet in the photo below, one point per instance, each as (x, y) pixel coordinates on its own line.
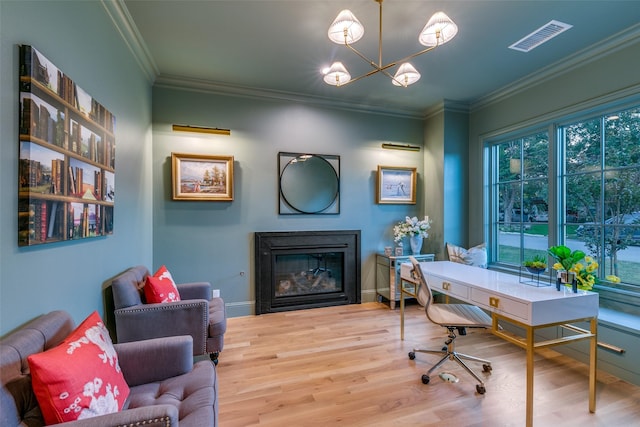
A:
(215, 293)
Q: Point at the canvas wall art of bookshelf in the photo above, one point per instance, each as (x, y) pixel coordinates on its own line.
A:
(66, 167)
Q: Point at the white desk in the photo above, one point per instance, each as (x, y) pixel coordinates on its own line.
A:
(509, 300)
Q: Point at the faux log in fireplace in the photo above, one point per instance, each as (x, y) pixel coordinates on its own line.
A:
(306, 269)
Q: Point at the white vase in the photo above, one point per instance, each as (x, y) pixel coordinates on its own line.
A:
(416, 244)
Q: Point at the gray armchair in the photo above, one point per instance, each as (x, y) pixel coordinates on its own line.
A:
(166, 387)
(197, 314)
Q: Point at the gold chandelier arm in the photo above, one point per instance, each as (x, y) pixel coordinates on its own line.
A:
(367, 60)
(383, 68)
(406, 58)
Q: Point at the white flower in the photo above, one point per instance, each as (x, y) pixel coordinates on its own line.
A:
(411, 227)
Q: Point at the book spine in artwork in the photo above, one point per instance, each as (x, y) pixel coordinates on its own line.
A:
(25, 60)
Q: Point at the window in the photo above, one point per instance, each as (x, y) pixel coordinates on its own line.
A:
(601, 181)
(591, 169)
(521, 194)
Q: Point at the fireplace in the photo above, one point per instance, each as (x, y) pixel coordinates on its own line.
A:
(306, 269)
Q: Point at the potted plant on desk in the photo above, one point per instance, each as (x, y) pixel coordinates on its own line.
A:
(536, 265)
(566, 262)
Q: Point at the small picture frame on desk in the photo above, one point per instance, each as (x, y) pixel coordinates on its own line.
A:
(399, 251)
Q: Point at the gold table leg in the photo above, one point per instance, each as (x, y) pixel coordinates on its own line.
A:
(530, 352)
(401, 311)
(593, 358)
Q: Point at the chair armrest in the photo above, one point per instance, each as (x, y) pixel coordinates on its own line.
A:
(145, 321)
(148, 416)
(157, 359)
(194, 290)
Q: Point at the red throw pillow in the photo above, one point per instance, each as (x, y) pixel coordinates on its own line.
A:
(81, 377)
(160, 287)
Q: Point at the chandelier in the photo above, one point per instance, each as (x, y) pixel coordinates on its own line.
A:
(346, 30)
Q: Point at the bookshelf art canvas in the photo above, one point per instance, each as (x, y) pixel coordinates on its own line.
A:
(66, 173)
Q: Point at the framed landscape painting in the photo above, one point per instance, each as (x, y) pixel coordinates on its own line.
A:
(202, 177)
(396, 185)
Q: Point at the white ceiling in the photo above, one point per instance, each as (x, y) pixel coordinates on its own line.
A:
(281, 46)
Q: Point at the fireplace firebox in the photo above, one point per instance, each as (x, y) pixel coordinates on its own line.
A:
(306, 269)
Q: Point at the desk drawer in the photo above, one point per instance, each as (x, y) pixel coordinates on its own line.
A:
(448, 287)
(500, 304)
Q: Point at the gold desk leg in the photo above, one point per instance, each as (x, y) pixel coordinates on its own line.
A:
(593, 358)
(401, 311)
(530, 353)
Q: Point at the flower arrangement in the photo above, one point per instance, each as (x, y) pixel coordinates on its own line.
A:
(584, 267)
(411, 227)
(585, 273)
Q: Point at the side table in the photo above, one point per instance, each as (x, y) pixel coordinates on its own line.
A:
(388, 275)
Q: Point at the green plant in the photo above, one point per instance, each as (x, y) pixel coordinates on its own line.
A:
(585, 271)
(565, 257)
(538, 262)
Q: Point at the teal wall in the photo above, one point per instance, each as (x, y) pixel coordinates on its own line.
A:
(80, 38)
(213, 241)
(446, 174)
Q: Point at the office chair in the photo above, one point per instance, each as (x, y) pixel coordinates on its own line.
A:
(453, 317)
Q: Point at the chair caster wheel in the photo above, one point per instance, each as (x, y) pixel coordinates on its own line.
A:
(480, 389)
(412, 355)
(486, 368)
(425, 379)
(444, 348)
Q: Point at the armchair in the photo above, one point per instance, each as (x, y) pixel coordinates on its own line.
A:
(166, 387)
(197, 314)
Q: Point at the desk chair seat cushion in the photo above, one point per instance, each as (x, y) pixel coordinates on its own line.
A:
(458, 315)
(475, 256)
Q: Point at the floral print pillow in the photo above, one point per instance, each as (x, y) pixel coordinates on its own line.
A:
(160, 287)
(81, 377)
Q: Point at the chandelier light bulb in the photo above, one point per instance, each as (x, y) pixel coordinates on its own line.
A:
(337, 75)
(439, 30)
(346, 29)
(406, 75)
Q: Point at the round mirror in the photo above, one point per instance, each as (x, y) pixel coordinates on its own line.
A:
(309, 184)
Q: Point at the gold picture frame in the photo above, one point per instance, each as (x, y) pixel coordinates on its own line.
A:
(396, 185)
(202, 177)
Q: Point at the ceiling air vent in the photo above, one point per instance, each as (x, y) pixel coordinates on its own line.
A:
(541, 35)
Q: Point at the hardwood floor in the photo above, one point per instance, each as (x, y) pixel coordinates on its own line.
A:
(347, 366)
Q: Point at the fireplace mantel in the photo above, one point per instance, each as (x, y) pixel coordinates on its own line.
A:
(306, 269)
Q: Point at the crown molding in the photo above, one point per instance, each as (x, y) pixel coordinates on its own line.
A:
(579, 59)
(447, 106)
(122, 20)
(208, 86)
